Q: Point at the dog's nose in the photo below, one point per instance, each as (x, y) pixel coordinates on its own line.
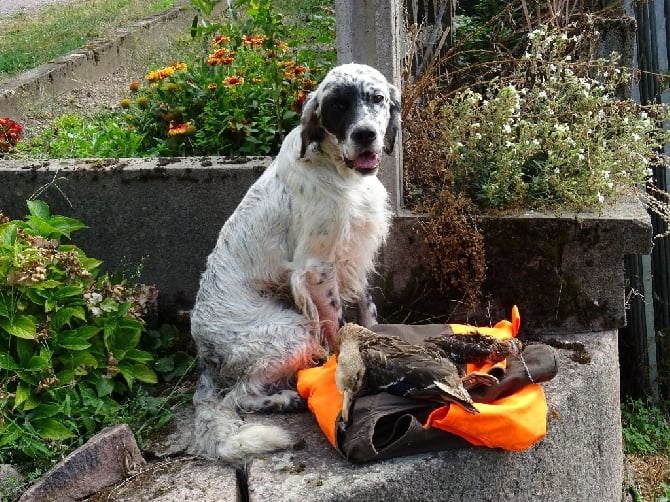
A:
(364, 135)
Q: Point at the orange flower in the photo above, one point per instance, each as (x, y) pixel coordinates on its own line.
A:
(165, 72)
(308, 85)
(221, 56)
(255, 41)
(220, 39)
(293, 70)
(299, 101)
(212, 87)
(233, 80)
(134, 86)
(176, 130)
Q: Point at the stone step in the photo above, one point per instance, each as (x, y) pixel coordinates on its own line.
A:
(580, 459)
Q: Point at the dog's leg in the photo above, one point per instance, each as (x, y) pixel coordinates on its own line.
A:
(367, 311)
(267, 385)
(321, 284)
(317, 295)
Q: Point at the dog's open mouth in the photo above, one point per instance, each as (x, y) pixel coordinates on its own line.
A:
(364, 163)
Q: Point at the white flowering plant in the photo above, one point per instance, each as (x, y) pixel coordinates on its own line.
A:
(553, 133)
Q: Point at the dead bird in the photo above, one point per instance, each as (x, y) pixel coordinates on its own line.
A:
(368, 363)
(476, 347)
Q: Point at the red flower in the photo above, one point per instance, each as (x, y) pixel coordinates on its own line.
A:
(10, 133)
(234, 80)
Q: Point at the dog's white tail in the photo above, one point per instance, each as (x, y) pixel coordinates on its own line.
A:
(221, 434)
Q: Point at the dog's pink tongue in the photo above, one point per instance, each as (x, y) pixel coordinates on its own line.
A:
(367, 160)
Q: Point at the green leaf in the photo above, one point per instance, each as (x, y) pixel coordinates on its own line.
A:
(143, 373)
(7, 362)
(85, 332)
(33, 447)
(79, 361)
(140, 356)
(66, 225)
(25, 348)
(38, 363)
(46, 410)
(22, 393)
(104, 386)
(128, 374)
(67, 291)
(164, 364)
(21, 326)
(65, 315)
(39, 208)
(9, 235)
(73, 342)
(50, 428)
(10, 434)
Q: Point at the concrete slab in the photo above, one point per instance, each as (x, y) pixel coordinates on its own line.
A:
(565, 272)
(580, 459)
(179, 479)
(161, 216)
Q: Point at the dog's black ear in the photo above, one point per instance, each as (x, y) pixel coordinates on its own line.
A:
(311, 124)
(394, 120)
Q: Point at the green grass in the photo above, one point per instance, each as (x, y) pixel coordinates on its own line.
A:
(645, 428)
(30, 39)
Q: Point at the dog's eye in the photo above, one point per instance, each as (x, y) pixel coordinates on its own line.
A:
(377, 98)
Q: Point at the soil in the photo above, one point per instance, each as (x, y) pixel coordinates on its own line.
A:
(8, 8)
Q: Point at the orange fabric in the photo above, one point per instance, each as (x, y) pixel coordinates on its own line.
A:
(515, 422)
(512, 423)
(317, 385)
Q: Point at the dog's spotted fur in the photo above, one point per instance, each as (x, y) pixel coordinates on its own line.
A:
(302, 241)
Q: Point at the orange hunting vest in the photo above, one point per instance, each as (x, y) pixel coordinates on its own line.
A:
(514, 422)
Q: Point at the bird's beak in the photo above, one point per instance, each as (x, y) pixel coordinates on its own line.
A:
(346, 405)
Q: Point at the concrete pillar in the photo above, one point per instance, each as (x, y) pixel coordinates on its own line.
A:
(369, 32)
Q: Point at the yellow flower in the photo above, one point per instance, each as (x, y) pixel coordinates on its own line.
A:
(125, 103)
(166, 72)
(212, 87)
(142, 102)
(160, 74)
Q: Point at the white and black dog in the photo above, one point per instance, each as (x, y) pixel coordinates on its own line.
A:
(300, 244)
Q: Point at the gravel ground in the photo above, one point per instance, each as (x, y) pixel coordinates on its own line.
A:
(8, 7)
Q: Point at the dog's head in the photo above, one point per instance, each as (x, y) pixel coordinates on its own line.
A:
(357, 109)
